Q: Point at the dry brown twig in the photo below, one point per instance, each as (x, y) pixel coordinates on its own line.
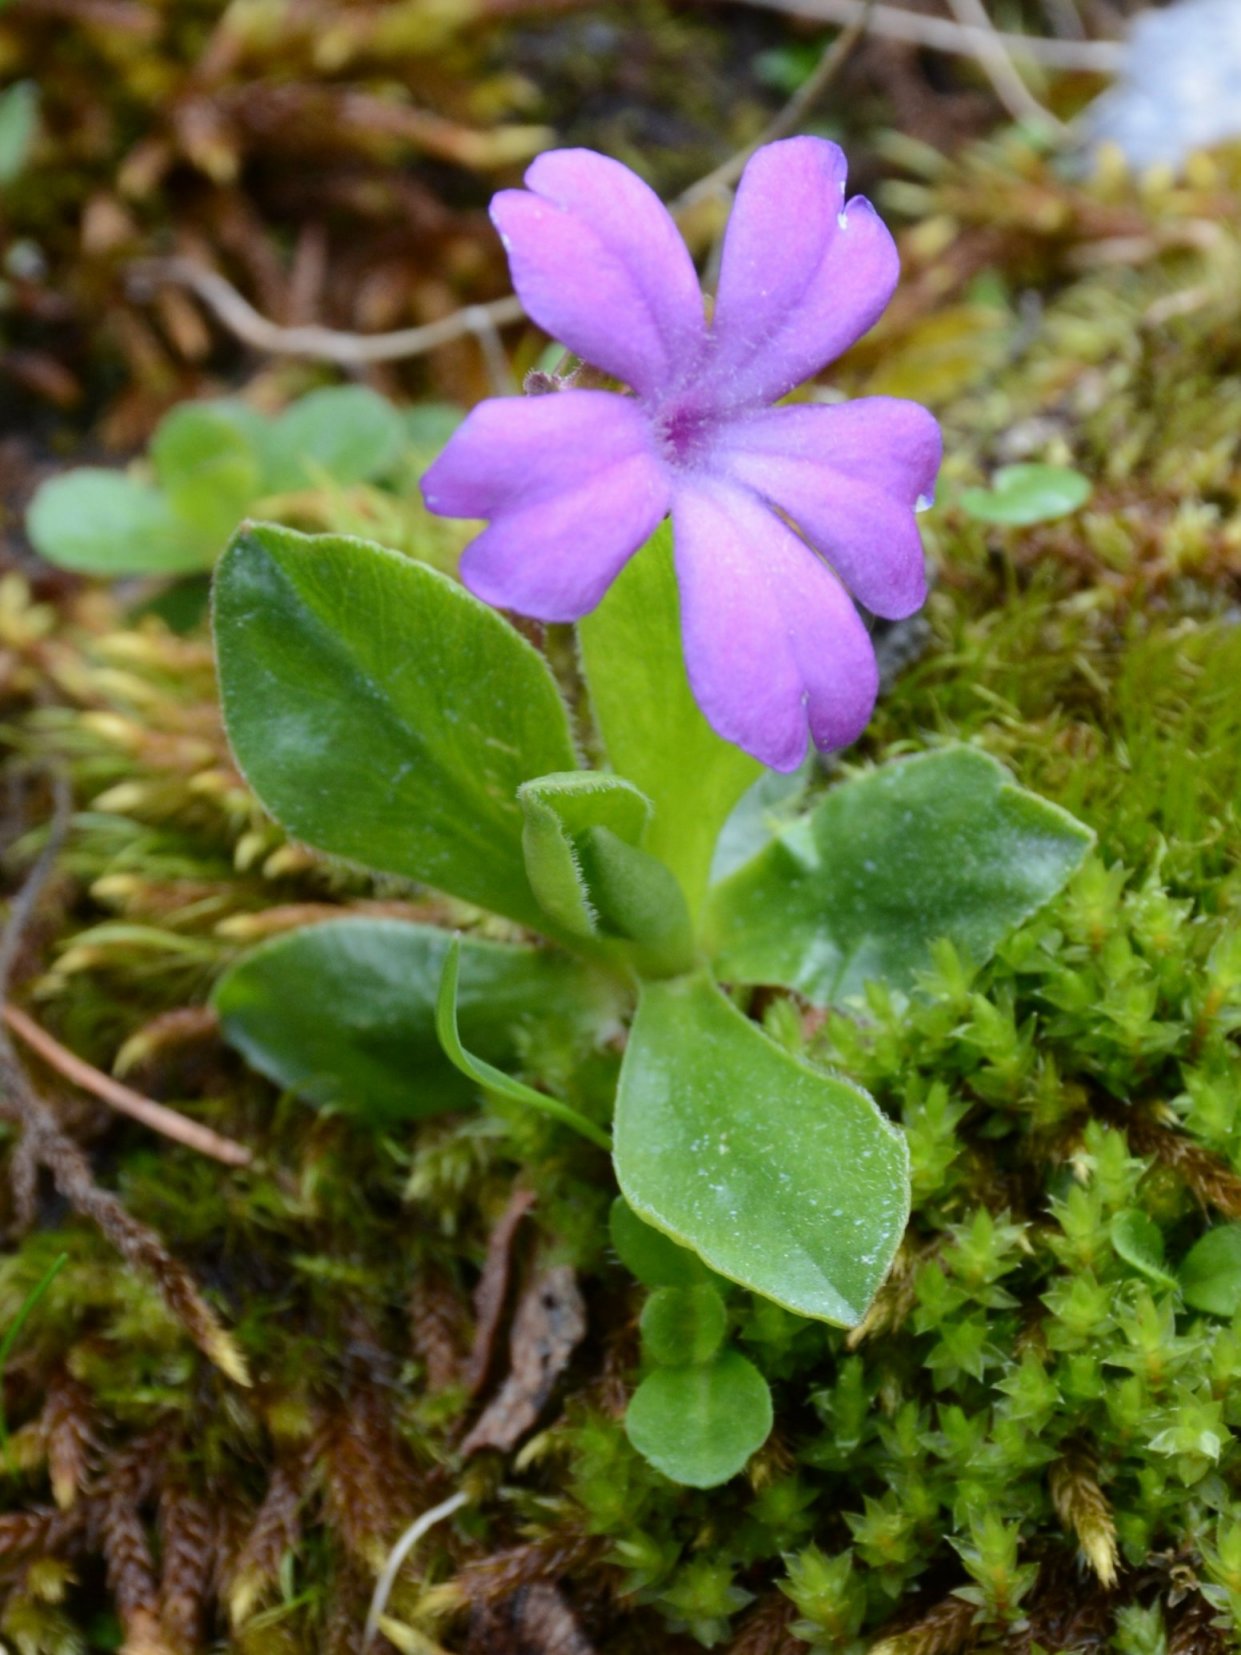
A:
(348, 350)
(789, 118)
(997, 64)
(944, 34)
(167, 1122)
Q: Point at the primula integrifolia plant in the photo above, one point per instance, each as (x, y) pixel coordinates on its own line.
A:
(776, 510)
(389, 716)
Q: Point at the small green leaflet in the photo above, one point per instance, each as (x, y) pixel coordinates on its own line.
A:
(1025, 494)
(699, 1425)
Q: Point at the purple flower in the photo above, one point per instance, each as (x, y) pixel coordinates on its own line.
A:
(775, 511)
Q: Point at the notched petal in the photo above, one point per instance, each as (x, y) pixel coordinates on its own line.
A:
(804, 273)
(852, 478)
(599, 265)
(572, 487)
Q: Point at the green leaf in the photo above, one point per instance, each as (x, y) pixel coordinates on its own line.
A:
(654, 1258)
(581, 842)
(942, 845)
(346, 431)
(683, 1325)
(428, 425)
(486, 1074)
(1211, 1272)
(19, 122)
(780, 1177)
(773, 802)
(1139, 1241)
(343, 1013)
(103, 522)
(558, 810)
(1024, 494)
(195, 433)
(700, 1425)
(637, 897)
(382, 713)
(650, 722)
(207, 459)
(582, 799)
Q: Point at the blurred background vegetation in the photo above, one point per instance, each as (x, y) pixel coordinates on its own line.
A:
(1031, 1444)
(334, 161)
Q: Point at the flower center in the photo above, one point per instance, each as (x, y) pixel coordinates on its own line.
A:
(683, 433)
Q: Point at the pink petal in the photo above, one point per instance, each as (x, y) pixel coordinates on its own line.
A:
(572, 486)
(804, 274)
(773, 646)
(599, 265)
(851, 478)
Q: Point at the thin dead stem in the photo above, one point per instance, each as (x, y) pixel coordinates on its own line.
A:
(944, 34)
(125, 1101)
(349, 350)
(789, 118)
(421, 1526)
(998, 66)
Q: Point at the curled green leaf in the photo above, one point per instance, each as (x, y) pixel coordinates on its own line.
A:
(487, 1075)
(1139, 1241)
(343, 1012)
